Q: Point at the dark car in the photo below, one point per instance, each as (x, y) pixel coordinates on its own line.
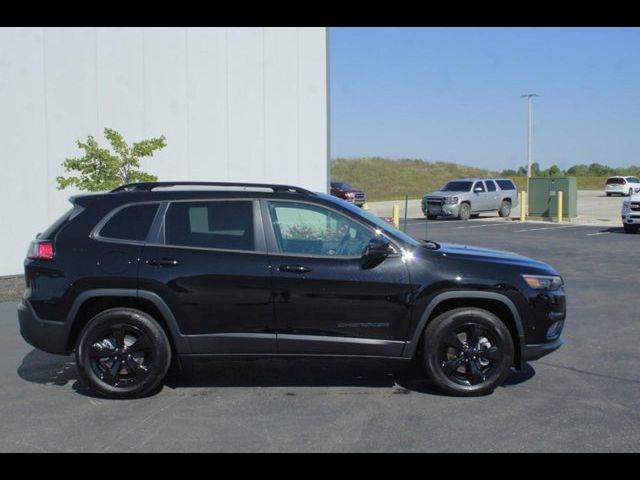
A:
(348, 193)
(132, 278)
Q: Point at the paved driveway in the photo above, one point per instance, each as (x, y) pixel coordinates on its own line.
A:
(584, 397)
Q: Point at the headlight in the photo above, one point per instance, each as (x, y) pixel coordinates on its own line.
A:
(543, 282)
(451, 200)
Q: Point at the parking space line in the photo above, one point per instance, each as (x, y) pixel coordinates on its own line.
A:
(485, 225)
(597, 233)
(544, 228)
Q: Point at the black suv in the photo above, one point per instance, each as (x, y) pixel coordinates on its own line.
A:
(131, 278)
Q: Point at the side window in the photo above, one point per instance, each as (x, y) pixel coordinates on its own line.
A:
(633, 180)
(224, 225)
(130, 223)
(506, 185)
(306, 229)
(491, 187)
(478, 185)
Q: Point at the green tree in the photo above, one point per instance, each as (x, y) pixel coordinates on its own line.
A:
(553, 171)
(101, 169)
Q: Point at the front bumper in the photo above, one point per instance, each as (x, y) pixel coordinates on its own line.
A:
(444, 210)
(631, 218)
(534, 352)
(45, 335)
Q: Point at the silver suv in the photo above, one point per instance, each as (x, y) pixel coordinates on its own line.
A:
(467, 197)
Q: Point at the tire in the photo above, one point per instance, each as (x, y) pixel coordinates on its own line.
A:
(464, 370)
(465, 211)
(608, 194)
(431, 217)
(123, 353)
(630, 228)
(630, 192)
(505, 209)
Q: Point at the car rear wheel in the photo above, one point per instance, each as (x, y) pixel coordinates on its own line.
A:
(630, 228)
(123, 353)
(608, 194)
(630, 191)
(431, 217)
(465, 211)
(505, 208)
(467, 352)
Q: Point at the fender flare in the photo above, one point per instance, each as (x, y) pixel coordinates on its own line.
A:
(180, 341)
(412, 345)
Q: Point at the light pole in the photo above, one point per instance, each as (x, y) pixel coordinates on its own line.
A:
(528, 96)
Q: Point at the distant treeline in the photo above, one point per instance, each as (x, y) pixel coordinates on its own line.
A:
(580, 170)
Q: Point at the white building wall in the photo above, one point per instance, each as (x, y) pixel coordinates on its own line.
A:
(236, 104)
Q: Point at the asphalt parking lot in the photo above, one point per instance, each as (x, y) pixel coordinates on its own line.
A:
(584, 397)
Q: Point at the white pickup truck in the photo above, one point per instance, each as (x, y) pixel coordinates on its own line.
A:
(631, 213)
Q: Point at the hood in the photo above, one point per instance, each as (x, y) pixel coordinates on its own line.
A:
(465, 252)
(444, 194)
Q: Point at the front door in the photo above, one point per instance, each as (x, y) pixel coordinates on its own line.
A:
(326, 300)
(209, 264)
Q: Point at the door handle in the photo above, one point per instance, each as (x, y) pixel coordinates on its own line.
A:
(163, 262)
(294, 268)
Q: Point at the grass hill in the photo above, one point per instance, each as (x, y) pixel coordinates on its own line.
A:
(385, 179)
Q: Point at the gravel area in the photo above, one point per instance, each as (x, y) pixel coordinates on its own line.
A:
(11, 288)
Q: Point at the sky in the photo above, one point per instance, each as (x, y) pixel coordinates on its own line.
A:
(453, 94)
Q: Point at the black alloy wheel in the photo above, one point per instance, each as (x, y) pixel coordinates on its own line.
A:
(467, 351)
(123, 353)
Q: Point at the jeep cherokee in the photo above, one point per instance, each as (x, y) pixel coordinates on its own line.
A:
(132, 278)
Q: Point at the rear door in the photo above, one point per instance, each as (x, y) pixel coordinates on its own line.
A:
(493, 196)
(208, 262)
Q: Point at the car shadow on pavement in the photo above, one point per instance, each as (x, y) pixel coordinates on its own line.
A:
(400, 377)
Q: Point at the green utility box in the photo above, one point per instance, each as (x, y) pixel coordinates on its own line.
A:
(543, 197)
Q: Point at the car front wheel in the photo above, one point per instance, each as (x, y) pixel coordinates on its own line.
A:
(465, 211)
(467, 352)
(630, 228)
(123, 353)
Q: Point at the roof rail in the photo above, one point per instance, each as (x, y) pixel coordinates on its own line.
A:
(149, 186)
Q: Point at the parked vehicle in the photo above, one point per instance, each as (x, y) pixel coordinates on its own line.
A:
(468, 197)
(621, 185)
(348, 193)
(132, 278)
(631, 213)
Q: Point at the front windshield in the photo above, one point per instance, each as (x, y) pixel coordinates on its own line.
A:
(457, 186)
(378, 222)
(341, 185)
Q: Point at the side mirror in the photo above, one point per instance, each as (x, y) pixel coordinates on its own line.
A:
(378, 249)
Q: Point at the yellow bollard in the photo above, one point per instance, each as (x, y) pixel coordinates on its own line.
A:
(396, 216)
(559, 206)
(523, 202)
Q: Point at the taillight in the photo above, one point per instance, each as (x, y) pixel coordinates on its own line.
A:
(40, 251)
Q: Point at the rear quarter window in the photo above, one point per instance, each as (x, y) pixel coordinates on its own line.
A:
(131, 223)
(506, 184)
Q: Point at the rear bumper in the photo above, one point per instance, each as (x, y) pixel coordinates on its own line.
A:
(45, 335)
(534, 352)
